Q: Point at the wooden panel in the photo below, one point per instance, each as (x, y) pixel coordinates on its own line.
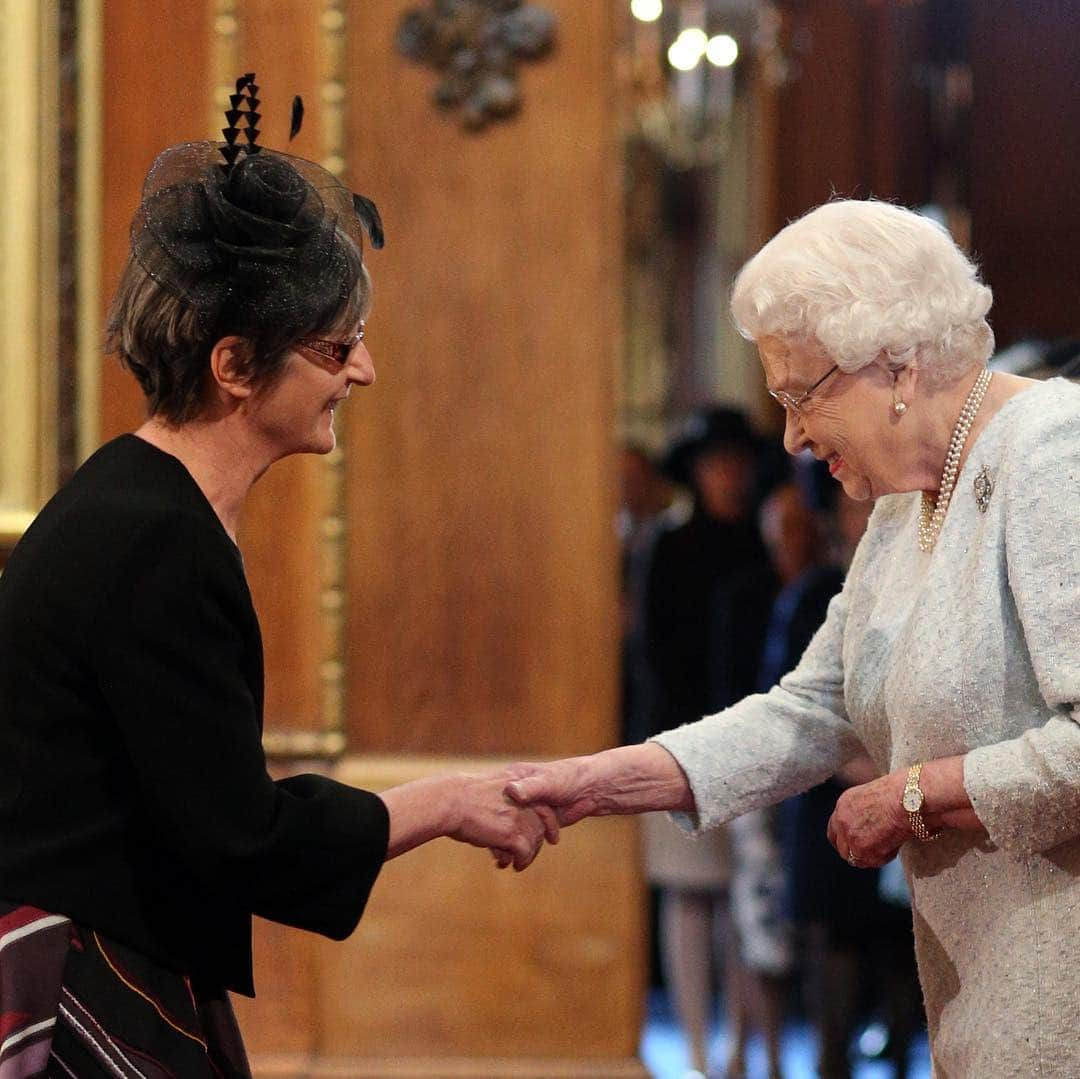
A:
(281, 543)
(856, 120)
(281, 41)
(284, 1020)
(820, 120)
(853, 120)
(460, 963)
(155, 94)
(283, 1066)
(1025, 163)
(482, 573)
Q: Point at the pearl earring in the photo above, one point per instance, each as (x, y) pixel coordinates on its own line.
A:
(899, 407)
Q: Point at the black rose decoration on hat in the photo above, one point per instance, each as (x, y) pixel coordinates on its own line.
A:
(240, 231)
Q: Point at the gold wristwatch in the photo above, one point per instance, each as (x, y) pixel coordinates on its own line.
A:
(913, 802)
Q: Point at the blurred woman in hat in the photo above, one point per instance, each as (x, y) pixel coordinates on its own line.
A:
(716, 457)
(139, 829)
(704, 659)
(950, 654)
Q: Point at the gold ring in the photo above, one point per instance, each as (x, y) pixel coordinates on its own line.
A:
(852, 860)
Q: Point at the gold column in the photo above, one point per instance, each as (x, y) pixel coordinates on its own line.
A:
(29, 68)
(332, 527)
(327, 742)
(88, 227)
(224, 60)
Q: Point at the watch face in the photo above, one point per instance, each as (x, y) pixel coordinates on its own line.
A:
(913, 800)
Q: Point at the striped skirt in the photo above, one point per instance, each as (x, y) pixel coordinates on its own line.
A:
(73, 1003)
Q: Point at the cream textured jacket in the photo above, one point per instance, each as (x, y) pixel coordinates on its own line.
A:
(974, 649)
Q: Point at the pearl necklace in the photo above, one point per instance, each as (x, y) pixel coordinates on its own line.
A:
(932, 511)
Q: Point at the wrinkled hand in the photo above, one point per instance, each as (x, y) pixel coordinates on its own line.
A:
(869, 824)
(486, 817)
(530, 786)
(563, 785)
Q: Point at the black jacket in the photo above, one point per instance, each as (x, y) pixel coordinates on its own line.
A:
(694, 567)
(134, 796)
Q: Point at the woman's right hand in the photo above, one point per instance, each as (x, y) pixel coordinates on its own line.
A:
(486, 817)
(472, 809)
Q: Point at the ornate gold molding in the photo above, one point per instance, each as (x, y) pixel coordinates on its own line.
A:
(30, 63)
(224, 60)
(303, 745)
(476, 46)
(89, 195)
(328, 740)
(332, 529)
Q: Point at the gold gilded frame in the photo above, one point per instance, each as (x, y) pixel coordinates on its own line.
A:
(30, 250)
(328, 741)
(29, 63)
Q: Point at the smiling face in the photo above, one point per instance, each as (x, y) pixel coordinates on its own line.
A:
(295, 413)
(848, 421)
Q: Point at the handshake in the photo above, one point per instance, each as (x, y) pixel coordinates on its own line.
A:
(514, 810)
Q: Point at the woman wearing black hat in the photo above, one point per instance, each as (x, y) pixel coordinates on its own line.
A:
(716, 456)
(704, 658)
(139, 830)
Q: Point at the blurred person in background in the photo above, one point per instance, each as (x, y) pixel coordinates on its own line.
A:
(648, 506)
(950, 655)
(715, 457)
(842, 921)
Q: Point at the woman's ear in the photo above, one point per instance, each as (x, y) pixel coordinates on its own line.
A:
(228, 360)
(902, 380)
(905, 382)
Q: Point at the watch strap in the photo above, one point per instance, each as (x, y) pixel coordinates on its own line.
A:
(916, 821)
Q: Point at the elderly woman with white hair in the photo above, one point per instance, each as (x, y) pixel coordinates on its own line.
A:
(952, 654)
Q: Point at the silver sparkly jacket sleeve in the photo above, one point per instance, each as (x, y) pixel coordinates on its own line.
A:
(772, 745)
(1026, 790)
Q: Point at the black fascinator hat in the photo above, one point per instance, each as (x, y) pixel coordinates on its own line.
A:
(711, 428)
(249, 236)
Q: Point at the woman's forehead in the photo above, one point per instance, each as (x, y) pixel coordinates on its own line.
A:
(788, 359)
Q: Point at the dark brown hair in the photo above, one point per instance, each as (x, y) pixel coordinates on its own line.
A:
(166, 342)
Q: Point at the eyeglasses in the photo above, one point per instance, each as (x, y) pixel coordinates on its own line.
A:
(338, 351)
(796, 404)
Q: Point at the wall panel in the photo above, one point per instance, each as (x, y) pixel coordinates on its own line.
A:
(154, 93)
(287, 45)
(482, 570)
(1025, 164)
(852, 120)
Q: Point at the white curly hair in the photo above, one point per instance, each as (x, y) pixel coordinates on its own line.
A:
(866, 279)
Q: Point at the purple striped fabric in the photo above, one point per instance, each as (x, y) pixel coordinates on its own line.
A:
(73, 1003)
(33, 950)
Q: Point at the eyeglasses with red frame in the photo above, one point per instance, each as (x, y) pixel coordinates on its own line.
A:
(338, 351)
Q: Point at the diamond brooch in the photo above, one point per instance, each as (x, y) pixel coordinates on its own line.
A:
(984, 488)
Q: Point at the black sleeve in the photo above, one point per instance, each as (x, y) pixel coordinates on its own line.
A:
(169, 646)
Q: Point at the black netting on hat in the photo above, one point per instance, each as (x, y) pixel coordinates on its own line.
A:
(272, 240)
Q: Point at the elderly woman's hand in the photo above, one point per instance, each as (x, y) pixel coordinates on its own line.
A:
(630, 779)
(486, 817)
(562, 786)
(869, 824)
(472, 809)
